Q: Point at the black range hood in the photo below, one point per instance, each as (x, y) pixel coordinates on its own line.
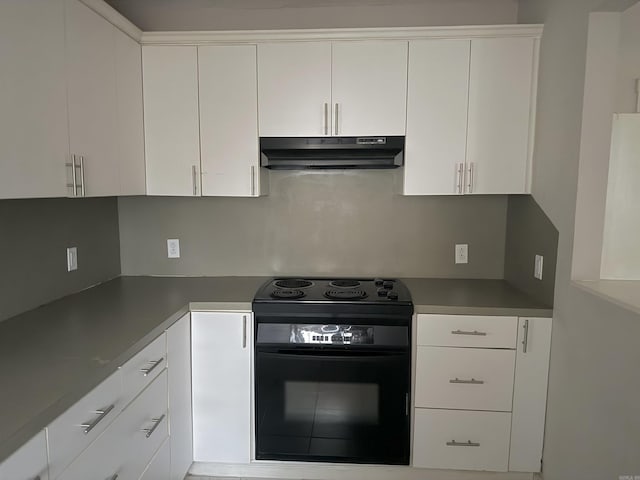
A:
(295, 153)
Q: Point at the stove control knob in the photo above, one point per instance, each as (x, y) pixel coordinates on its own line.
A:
(382, 292)
(392, 295)
(387, 284)
(378, 282)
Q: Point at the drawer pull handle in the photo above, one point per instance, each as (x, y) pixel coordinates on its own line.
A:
(115, 477)
(464, 332)
(473, 381)
(468, 443)
(525, 340)
(156, 422)
(102, 413)
(36, 478)
(147, 371)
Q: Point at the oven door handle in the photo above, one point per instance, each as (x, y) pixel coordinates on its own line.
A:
(331, 354)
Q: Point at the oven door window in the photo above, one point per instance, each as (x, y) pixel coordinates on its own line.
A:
(332, 405)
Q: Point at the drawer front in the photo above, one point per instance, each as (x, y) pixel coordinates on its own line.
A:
(29, 462)
(138, 372)
(160, 466)
(465, 378)
(455, 439)
(76, 428)
(467, 331)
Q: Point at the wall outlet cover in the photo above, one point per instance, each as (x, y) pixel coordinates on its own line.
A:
(173, 248)
(537, 269)
(462, 253)
(72, 259)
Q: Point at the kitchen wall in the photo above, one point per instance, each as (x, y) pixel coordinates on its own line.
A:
(593, 416)
(316, 223)
(152, 15)
(34, 236)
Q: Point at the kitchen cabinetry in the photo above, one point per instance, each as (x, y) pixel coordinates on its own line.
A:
(34, 138)
(160, 465)
(332, 88)
(221, 379)
(470, 120)
(28, 463)
(480, 392)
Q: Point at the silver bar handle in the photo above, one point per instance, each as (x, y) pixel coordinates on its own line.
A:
(525, 340)
(473, 381)
(194, 180)
(82, 190)
(147, 371)
(102, 413)
(36, 477)
(470, 183)
(468, 443)
(406, 404)
(335, 127)
(73, 183)
(459, 175)
(325, 118)
(465, 332)
(253, 180)
(244, 331)
(115, 477)
(156, 422)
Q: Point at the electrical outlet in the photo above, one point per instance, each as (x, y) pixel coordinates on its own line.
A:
(462, 253)
(537, 269)
(173, 248)
(72, 259)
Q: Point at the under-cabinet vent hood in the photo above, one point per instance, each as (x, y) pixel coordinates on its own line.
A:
(294, 153)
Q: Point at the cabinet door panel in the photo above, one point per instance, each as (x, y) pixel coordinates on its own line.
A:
(34, 138)
(228, 120)
(91, 80)
(172, 137)
(29, 462)
(221, 389)
(369, 85)
(467, 331)
(159, 467)
(437, 102)
(500, 103)
(294, 84)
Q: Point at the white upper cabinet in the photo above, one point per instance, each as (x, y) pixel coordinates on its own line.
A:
(33, 105)
(229, 121)
(294, 89)
(369, 87)
(501, 100)
(93, 113)
(435, 146)
(172, 137)
(339, 88)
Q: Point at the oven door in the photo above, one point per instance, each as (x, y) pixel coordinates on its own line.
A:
(332, 404)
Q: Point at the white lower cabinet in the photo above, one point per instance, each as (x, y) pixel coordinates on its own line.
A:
(159, 467)
(28, 463)
(221, 378)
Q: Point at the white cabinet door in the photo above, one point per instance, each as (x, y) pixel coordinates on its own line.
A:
(294, 89)
(29, 462)
(180, 419)
(92, 98)
(34, 139)
(130, 130)
(369, 87)
(530, 394)
(229, 120)
(500, 113)
(221, 379)
(437, 102)
(172, 137)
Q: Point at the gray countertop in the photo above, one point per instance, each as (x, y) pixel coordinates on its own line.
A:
(53, 355)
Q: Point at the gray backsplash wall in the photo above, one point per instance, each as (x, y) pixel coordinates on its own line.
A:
(316, 223)
(34, 235)
(530, 233)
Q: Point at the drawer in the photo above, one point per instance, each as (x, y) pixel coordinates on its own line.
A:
(464, 378)
(29, 462)
(160, 466)
(138, 372)
(461, 440)
(467, 331)
(76, 428)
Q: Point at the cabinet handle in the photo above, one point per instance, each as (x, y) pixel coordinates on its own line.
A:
(194, 180)
(459, 176)
(525, 340)
(36, 478)
(470, 183)
(102, 413)
(73, 183)
(156, 422)
(468, 443)
(115, 477)
(253, 180)
(325, 118)
(464, 332)
(406, 404)
(82, 191)
(473, 381)
(244, 331)
(147, 371)
(336, 121)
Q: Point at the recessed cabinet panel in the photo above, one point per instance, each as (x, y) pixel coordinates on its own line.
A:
(229, 120)
(172, 137)
(500, 113)
(294, 89)
(437, 103)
